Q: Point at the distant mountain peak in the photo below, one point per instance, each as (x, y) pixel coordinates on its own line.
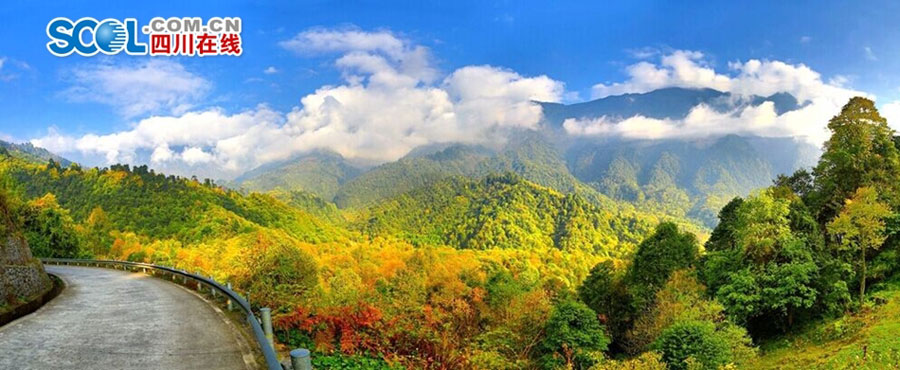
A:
(666, 103)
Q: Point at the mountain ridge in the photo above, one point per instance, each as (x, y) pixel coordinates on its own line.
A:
(666, 103)
(31, 153)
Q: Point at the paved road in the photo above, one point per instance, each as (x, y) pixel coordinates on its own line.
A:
(108, 319)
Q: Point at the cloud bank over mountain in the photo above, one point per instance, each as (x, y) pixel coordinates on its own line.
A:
(390, 100)
(392, 97)
(820, 100)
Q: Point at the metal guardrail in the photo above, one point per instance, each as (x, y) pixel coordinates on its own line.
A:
(264, 343)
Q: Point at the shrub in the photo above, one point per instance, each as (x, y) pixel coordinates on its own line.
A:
(695, 340)
(574, 337)
(646, 361)
(681, 299)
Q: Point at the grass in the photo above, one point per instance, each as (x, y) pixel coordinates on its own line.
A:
(868, 339)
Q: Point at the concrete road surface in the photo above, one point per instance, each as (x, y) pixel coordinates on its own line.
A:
(109, 319)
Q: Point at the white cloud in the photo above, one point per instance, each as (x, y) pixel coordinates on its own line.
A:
(270, 70)
(682, 68)
(391, 114)
(643, 53)
(4, 76)
(689, 69)
(360, 48)
(390, 101)
(701, 121)
(175, 143)
(819, 100)
(891, 112)
(195, 155)
(805, 39)
(10, 69)
(151, 86)
(870, 55)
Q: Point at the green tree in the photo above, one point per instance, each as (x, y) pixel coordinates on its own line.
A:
(598, 289)
(574, 337)
(764, 268)
(605, 292)
(50, 230)
(684, 299)
(723, 236)
(801, 182)
(762, 223)
(667, 250)
(280, 272)
(696, 340)
(860, 152)
(97, 229)
(861, 226)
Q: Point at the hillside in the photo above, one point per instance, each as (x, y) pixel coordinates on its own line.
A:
(319, 173)
(528, 154)
(410, 173)
(504, 211)
(153, 205)
(31, 153)
(864, 340)
(468, 268)
(685, 178)
(381, 283)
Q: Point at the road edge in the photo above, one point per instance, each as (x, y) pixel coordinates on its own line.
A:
(27, 308)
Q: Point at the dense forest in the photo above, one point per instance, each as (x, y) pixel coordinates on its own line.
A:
(685, 179)
(520, 267)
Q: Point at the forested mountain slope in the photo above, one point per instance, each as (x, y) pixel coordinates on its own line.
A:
(683, 178)
(410, 173)
(153, 205)
(319, 173)
(31, 153)
(505, 211)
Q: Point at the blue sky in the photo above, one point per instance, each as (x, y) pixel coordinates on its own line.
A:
(577, 45)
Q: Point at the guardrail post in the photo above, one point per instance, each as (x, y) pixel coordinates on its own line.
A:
(212, 289)
(266, 314)
(230, 303)
(300, 359)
